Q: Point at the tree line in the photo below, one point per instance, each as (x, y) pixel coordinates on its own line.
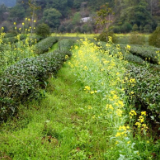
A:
(65, 15)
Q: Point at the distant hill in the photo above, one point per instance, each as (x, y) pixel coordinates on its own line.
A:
(8, 3)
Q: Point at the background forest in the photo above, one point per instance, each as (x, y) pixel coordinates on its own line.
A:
(67, 15)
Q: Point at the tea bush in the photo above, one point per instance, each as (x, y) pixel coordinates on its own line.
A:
(104, 36)
(13, 39)
(34, 39)
(43, 30)
(145, 92)
(44, 45)
(23, 80)
(136, 38)
(12, 34)
(65, 45)
(122, 50)
(148, 54)
(154, 39)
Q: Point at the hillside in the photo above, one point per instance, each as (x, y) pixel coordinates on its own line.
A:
(66, 15)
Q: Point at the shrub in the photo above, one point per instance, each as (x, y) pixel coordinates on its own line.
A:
(116, 29)
(23, 80)
(146, 53)
(147, 28)
(44, 45)
(43, 30)
(135, 27)
(104, 36)
(126, 27)
(154, 39)
(64, 45)
(127, 56)
(136, 38)
(11, 34)
(145, 93)
(14, 39)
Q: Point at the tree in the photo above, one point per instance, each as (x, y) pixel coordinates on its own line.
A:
(76, 18)
(3, 9)
(43, 30)
(135, 27)
(52, 17)
(102, 15)
(17, 13)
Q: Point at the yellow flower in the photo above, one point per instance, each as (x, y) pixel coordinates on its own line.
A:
(66, 56)
(92, 92)
(14, 23)
(89, 107)
(138, 124)
(87, 88)
(119, 112)
(128, 47)
(118, 134)
(143, 113)
(132, 80)
(132, 113)
(22, 24)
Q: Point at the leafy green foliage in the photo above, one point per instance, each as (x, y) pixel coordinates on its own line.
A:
(104, 36)
(21, 81)
(64, 45)
(11, 34)
(136, 38)
(145, 93)
(44, 45)
(122, 50)
(43, 30)
(148, 54)
(52, 17)
(154, 39)
(13, 39)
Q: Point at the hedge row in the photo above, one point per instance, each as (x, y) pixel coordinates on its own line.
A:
(13, 39)
(127, 56)
(65, 44)
(22, 81)
(146, 53)
(145, 92)
(45, 44)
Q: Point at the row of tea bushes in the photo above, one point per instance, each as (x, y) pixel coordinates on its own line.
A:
(149, 54)
(114, 49)
(14, 39)
(65, 44)
(45, 44)
(23, 81)
(144, 92)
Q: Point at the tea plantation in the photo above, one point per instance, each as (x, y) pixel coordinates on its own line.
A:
(71, 98)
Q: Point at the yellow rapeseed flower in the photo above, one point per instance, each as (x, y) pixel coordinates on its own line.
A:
(143, 113)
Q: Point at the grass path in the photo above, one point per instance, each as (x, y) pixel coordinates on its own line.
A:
(55, 128)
